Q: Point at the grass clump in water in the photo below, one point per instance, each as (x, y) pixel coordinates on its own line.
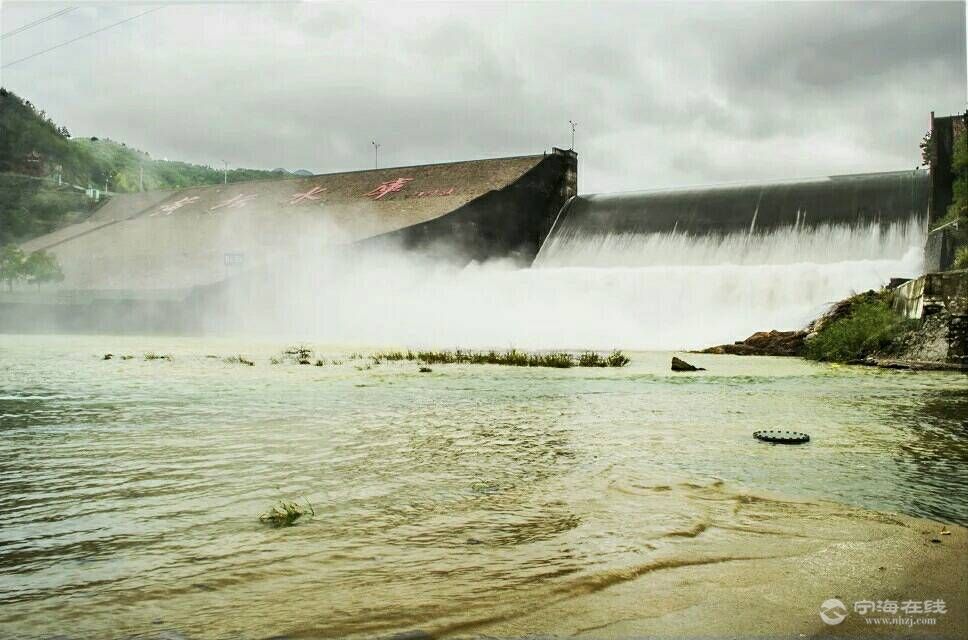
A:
(617, 359)
(239, 359)
(285, 513)
(515, 358)
(395, 356)
(870, 327)
(557, 360)
(156, 356)
(301, 354)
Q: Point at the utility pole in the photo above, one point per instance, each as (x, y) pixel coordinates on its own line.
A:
(376, 154)
(141, 178)
(573, 125)
(225, 172)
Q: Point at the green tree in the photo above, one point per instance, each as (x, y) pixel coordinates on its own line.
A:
(41, 267)
(959, 167)
(11, 264)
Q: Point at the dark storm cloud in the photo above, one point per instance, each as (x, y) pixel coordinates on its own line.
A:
(665, 94)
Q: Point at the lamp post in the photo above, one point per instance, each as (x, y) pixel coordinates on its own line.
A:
(376, 154)
(573, 125)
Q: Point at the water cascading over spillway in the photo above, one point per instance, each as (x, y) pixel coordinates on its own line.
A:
(657, 270)
(708, 265)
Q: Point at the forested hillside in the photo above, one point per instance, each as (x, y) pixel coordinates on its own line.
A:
(44, 171)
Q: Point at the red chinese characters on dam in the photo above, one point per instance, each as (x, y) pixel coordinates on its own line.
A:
(313, 194)
(390, 186)
(172, 207)
(235, 202)
(397, 184)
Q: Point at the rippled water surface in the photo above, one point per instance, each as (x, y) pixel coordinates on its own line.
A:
(130, 489)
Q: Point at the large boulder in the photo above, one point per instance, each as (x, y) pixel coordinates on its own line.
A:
(764, 343)
(682, 365)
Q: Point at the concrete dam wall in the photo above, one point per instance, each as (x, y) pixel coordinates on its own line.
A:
(653, 270)
(852, 201)
(200, 236)
(155, 261)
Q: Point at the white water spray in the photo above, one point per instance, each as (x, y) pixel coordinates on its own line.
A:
(653, 291)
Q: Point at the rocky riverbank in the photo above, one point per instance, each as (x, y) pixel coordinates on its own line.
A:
(764, 343)
(871, 328)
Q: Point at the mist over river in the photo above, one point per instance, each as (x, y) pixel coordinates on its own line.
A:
(444, 501)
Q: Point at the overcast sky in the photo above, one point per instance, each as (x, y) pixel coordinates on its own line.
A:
(664, 95)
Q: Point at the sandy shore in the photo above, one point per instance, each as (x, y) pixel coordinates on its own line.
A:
(768, 579)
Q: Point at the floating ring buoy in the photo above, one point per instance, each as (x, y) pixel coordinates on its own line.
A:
(781, 437)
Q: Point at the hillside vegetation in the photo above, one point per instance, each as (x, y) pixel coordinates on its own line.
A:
(44, 171)
(862, 326)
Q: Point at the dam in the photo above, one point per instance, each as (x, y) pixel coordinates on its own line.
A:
(486, 253)
(620, 228)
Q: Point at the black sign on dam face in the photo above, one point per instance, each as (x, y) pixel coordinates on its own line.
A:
(854, 200)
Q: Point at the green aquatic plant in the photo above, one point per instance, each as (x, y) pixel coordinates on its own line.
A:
(300, 353)
(515, 358)
(156, 356)
(286, 513)
(392, 356)
(617, 359)
(239, 359)
(591, 359)
(559, 360)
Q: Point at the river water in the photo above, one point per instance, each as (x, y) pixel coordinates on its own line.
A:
(130, 490)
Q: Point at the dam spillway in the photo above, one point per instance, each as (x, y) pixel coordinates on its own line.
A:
(692, 267)
(863, 216)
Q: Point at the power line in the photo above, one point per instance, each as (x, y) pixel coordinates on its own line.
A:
(90, 33)
(56, 14)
